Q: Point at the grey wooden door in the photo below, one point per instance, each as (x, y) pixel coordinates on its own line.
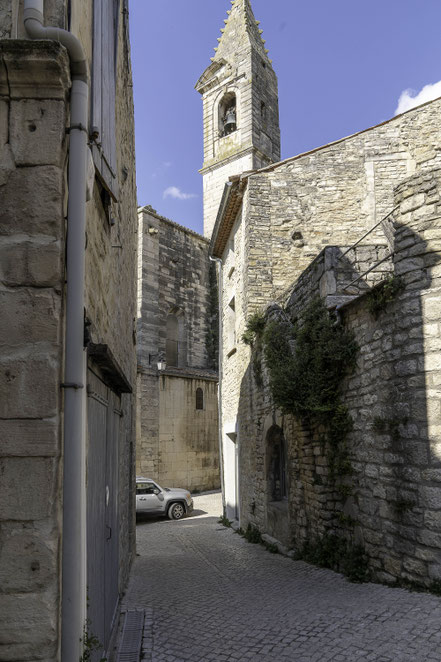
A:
(102, 509)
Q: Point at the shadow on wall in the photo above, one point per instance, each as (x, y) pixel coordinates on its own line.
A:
(393, 397)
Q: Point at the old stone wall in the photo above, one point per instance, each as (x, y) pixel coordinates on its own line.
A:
(331, 195)
(173, 279)
(392, 397)
(188, 439)
(34, 114)
(34, 83)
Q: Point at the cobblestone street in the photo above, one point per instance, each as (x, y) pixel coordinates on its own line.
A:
(209, 595)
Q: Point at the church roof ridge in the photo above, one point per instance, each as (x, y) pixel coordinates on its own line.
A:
(241, 14)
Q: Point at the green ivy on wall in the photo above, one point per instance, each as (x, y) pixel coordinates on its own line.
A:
(306, 362)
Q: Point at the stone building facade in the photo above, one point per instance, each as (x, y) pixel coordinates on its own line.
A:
(273, 235)
(40, 579)
(177, 414)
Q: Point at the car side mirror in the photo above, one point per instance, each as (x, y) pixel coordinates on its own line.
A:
(156, 491)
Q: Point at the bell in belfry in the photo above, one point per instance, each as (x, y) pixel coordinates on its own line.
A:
(230, 121)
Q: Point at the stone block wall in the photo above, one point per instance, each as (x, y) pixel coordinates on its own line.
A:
(332, 195)
(34, 83)
(34, 114)
(188, 439)
(392, 397)
(173, 278)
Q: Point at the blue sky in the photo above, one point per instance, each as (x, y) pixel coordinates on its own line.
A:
(342, 66)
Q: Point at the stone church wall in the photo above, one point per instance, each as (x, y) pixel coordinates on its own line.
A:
(173, 278)
(392, 397)
(331, 195)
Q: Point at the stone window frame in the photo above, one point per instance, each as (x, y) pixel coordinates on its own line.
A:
(200, 399)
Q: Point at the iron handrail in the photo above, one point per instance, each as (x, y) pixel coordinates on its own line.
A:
(368, 232)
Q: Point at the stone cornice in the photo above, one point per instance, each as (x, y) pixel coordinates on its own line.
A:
(34, 69)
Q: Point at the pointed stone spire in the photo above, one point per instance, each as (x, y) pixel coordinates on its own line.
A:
(241, 109)
(241, 32)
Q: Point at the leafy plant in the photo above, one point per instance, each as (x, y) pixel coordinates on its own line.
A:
(380, 296)
(91, 644)
(254, 328)
(224, 521)
(307, 363)
(336, 553)
(252, 534)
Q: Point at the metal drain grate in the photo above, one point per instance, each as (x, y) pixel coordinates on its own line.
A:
(131, 637)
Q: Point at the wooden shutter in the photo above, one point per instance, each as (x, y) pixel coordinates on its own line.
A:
(105, 42)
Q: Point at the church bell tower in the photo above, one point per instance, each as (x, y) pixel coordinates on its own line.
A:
(240, 105)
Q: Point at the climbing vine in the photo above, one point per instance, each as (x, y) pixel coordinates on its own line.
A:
(306, 361)
(379, 297)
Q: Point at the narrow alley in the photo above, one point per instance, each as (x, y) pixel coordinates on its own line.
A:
(209, 595)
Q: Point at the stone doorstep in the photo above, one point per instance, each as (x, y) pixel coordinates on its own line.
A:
(284, 551)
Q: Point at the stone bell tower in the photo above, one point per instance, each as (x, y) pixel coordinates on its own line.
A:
(241, 107)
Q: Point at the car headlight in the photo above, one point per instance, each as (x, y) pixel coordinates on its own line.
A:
(188, 495)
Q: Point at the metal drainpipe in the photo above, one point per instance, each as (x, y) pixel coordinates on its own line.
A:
(221, 454)
(73, 610)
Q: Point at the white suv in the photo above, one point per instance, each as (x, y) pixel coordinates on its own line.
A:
(155, 500)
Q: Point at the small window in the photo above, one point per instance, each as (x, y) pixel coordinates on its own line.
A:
(199, 398)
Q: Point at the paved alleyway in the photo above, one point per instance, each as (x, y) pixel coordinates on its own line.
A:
(214, 597)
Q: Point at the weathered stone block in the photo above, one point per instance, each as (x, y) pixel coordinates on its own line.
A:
(29, 627)
(29, 386)
(37, 132)
(27, 564)
(431, 497)
(31, 263)
(29, 317)
(37, 481)
(35, 69)
(24, 211)
(29, 438)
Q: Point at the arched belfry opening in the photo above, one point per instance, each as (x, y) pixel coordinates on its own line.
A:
(227, 114)
(276, 464)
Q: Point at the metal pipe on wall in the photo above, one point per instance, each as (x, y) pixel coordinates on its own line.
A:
(73, 608)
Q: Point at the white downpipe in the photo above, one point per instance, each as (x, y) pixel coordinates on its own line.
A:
(74, 489)
(221, 354)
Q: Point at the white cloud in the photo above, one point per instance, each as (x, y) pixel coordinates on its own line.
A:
(175, 192)
(410, 98)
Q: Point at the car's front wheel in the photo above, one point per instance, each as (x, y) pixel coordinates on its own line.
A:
(176, 511)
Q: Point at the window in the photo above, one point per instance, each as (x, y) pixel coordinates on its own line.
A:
(105, 41)
(199, 398)
(227, 114)
(276, 463)
(146, 488)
